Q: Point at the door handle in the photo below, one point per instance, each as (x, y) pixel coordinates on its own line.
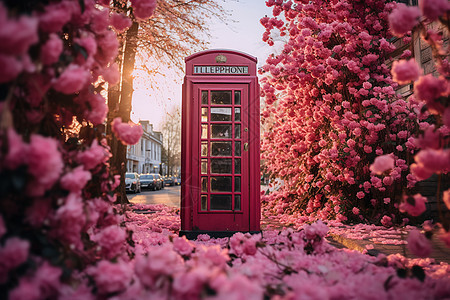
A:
(245, 146)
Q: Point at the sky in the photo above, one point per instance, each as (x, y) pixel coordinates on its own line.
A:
(244, 34)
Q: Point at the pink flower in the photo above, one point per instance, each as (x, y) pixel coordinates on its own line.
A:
(445, 237)
(387, 200)
(382, 164)
(75, 180)
(48, 278)
(108, 48)
(420, 172)
(120, 22)
(128, 134)
(51, 50)
(99, 21)
(26, 289)
(428, 88)
(413, 205)
(360, 195)
(69, 220)
(16, 36)
(386, 221)
(10, 67)
(418, 244)
(404, 71)
(183, 246)
(71, 80)
(111, 277)
(433, 9)
(17, 150)
(403, 19)
(44, 163)
(98, 109)
(54, 17)
(2, 226)
(355, 211)
(445, 198)
(111, 240)
(93, 156)
(13, 253)
(143, 9)
(161, 260)
(111, 74)
(435, 161)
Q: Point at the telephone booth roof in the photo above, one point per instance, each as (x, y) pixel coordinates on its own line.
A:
(220, 51)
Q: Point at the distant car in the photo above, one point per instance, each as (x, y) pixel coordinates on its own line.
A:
(159, 183)
(148, 181)
(132, 183)
(169, 180)
(176, 180)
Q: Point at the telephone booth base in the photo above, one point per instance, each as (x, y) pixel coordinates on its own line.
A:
(192, 235)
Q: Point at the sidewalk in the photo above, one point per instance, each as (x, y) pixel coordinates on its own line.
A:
(395, 244)
(372, 242)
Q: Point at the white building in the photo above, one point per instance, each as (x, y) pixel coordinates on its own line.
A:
(145, 156)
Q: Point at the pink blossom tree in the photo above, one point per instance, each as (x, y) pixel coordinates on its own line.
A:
(335, 112)
(56, 212)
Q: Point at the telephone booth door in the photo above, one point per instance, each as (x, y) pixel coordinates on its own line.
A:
(224, 204)
(220, 188)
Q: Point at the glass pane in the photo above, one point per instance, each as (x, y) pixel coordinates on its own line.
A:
(237, 131)
(204, 184)
(204, 148)
(204, 166)
(237, 97)
(221, 149)
(204, 202)
(237, 148)
(204, 131)
(204, 97)
(221, 184)
(221, 165)
(237, 166)
(237, 202)
(220, 97)
(204, 114)
(237, 114)
(220, 202)
(220, 131)
(237, 184)
(220, 114)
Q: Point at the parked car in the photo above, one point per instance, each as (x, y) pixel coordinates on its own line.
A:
(148, 181)
(177, 180)
(132, 183)
(159, 183)
(168, 180)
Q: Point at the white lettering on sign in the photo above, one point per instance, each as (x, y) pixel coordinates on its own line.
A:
(221, 110)
(238, 70)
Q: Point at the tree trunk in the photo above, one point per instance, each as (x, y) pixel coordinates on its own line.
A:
(119, 103)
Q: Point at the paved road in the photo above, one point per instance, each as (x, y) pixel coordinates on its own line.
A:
(170, 196)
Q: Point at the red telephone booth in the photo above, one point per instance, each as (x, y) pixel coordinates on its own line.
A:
(220, 175)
